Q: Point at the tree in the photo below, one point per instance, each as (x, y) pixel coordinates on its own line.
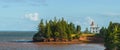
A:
(56, 30)
(103, 31)
(86, 30)
(112, 37)
(41, 28)
(78, 29)
(48, 31)
(68, 33)
(72, 28)
(56, 36)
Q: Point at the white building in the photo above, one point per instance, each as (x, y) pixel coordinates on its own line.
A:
(94, 28)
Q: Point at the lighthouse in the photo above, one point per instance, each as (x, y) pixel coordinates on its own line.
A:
(94, 28)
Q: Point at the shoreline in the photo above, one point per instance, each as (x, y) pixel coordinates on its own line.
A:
(50, 43)
(60, 42)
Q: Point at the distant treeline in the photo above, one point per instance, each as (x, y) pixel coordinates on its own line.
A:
(111, 36)
(58, 30)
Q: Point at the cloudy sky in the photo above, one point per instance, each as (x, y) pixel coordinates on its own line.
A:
(24, 15)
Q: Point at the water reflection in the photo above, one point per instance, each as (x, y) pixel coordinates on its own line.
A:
(72, 47)
(34, 46)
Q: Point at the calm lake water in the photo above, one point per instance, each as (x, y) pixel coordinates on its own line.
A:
(19, 41)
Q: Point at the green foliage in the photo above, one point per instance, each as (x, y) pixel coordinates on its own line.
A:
(72, 28)
(41, 28)
(48, 31)
(69, 33)
(86, 31)
(103, 32)
(112, 36)
(57, 29)
(38, 37)
(57, 34)
(78, 29)
(77, 36)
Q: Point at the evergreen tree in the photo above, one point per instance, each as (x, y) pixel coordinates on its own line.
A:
(86, 30)
(56, 36)
(72, 28)
(41, 28)
(78, 29)
(68, 33)
(103, 32)
(112, 38)
(48, 31)
(56, 30)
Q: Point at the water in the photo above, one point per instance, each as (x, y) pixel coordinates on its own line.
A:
(19, 41)
(6, 36)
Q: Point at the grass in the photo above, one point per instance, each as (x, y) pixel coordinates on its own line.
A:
(84, 34)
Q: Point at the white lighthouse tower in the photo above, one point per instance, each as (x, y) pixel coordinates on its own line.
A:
(94, 28)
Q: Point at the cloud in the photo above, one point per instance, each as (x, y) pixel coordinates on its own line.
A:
(111, 14)
(77, 22)
(38, 2)
(90, 20)
(32, 16)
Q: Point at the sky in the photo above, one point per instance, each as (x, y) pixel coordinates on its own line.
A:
(25, 15)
